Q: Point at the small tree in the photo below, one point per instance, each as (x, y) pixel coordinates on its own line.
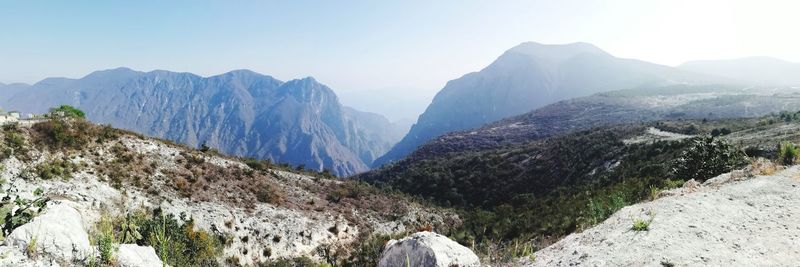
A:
(67, 111)
(707, 157)
(788, 153)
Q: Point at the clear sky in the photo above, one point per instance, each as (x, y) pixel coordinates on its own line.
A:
(372, 45)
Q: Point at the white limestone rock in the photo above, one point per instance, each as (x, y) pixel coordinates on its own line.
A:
(427, 249)
(59, 235)
(131, 255)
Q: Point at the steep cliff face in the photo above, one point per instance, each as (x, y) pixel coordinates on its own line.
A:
(240, 113)
(527, 77)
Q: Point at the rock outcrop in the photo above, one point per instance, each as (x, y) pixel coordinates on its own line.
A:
(130, 255)
(737, 223)
(301, 220)
(59, 234)
(427, 249)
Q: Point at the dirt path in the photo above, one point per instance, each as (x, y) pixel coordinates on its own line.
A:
(754, 222)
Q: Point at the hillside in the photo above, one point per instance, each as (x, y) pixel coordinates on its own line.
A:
(529, 76)
(240, 113)
(218, 209)
(728, 221)
(539, 191)
(617, 107)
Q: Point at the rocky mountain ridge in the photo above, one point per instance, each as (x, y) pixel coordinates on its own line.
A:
(530, 76)
(241, 113)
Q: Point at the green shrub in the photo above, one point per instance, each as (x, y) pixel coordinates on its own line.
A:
(295, 262)
(641, 225)
(179, 244)
(105, 239)
(788, 153)
(67, 111)
(369, 250)
(55, 169)
(15, 213)
(708, 157)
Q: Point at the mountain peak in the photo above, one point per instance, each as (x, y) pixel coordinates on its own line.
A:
(113, 73)
(241, 72)
(556, 52)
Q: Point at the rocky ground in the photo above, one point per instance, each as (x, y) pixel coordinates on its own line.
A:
(299, 216)
(731, 220)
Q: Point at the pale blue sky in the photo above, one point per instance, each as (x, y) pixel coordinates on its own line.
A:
(371, 45)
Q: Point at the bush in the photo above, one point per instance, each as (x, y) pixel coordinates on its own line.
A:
(295, 262)
(15, 213)
(177, 244)
(105, 240)
(347, 189)
(265, 193)
(708, 157)
(67, 111)
(58, 133)
(55, 169)
(641, 225)
(788, 153)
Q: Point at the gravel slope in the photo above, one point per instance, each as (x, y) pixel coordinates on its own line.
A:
(754, 222)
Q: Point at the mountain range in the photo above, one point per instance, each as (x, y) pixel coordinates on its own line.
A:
(530, 76)
(552, 88)
(240, 113)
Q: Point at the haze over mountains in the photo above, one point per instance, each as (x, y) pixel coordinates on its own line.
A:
(757, 70)
(529, 76)
(302, 122)
(240, 113)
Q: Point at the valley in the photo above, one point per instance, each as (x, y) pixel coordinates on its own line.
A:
(399, 134)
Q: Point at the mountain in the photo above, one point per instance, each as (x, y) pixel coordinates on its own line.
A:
(240, 113)
(560, 182)
(526, 77)
(8, 90)
(755, 70)
(616, 107)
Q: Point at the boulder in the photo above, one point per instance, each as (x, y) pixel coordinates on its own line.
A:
(58, 233)
(427, 249)
(131, 255)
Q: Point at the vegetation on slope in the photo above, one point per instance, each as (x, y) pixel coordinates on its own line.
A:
(537, 192)
(67, 147)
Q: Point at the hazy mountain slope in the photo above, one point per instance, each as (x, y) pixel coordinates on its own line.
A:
(8, 90)
(757, 70)
(526, 77)
(240, 113)
(617, 107)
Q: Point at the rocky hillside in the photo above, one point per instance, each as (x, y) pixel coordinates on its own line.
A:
(527, 77)
(731, 220)
(532, 194)
(113, 193)
(239, 113)
(675, 102)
